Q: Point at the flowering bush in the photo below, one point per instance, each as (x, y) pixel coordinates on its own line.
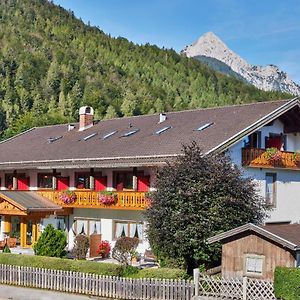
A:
(107, 198)
(273, 155)
(104, 249)
(67, 197)
(296, 157)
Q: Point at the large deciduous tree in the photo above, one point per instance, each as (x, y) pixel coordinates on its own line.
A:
(198, 196)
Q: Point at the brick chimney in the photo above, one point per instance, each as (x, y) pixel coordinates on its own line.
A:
(86, 116)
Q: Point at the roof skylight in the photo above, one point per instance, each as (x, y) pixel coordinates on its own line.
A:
(204, 126)
(109, 134)
(53, 139)
(160, 131)
(89, 136)
(129, 133)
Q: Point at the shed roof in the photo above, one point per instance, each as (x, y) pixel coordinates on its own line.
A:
(55, 146)
(29, 201)
(287, 235)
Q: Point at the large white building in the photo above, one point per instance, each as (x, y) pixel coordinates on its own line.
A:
(122, 155)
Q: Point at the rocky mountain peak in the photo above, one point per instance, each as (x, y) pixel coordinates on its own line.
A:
(210, 49)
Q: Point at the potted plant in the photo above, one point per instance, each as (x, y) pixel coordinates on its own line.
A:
(67, 197)
(135, 256)
(273, 155)
(104, 249)
(107, 198)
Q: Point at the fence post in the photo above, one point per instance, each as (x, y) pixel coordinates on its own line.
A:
(196, 281)
(245, 288)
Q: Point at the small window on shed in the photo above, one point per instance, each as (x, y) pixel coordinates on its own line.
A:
(254, 264)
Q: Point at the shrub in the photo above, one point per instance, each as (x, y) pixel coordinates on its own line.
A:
(52, 242)
(81, 246)
(6, 249)
(124, 248)
(104, 249)
(129, 271)
(109, 269)
(286, 283)
(160, 273)
(55, 263)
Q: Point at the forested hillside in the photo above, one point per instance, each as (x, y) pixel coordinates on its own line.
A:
(51, 63)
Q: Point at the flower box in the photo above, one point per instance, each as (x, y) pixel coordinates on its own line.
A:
(67, 197)
(273, 155)
(107, 198)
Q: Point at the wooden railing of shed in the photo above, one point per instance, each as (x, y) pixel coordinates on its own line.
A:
(254, 157)
(97, 285)
(89, 199)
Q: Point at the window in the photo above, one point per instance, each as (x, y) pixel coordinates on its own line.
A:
(9, 181)
(254, 264)
(253, 140)
(45, 181)
(202, 127)
(123, 180)
(89, 136)
(128, 228)
(87, 226)
(82, 180)
(271, 189)
(109, 134)
(275, 140)
(129, 133)
(160, 131)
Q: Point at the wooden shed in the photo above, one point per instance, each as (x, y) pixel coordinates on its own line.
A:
(255, 251)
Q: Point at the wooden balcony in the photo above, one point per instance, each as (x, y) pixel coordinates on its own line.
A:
(254, 157)
(89, 199)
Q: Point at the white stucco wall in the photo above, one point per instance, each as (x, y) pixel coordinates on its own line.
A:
(107, 217)
(287, 206)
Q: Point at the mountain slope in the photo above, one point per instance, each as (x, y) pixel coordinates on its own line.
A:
(51, 63)
(211, 50)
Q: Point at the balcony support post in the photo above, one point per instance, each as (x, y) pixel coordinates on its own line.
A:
(134, 179)
(92, 179)
(15, 180)
(54, 180)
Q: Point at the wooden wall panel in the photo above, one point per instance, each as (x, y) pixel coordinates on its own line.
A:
(234, 252)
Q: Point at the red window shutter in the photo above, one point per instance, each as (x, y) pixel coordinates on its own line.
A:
(63, 183)
(143, 183)
(23, 184)
(100, 183)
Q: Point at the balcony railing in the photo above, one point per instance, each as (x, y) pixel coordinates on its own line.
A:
(254, 157)
(90, 199)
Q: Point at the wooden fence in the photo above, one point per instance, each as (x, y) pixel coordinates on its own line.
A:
(208, 287)
(96, 285)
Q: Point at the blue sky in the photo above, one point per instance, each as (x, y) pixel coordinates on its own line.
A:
(261, 31)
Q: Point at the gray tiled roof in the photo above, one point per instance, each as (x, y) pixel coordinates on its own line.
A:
(30, 201)
(287, 235)
(227, 122)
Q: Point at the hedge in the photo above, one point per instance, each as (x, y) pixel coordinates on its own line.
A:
(54, 263)
(287, 283)
(86, 266)
(161, 273)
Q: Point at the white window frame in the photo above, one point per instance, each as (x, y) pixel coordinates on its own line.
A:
(128, 224)
(88, 229)
(257, 271)
(271, 201)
